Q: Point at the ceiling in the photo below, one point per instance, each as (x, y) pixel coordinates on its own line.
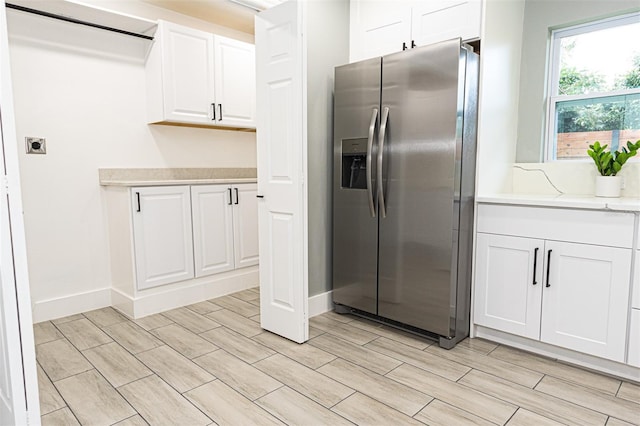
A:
(219, 12)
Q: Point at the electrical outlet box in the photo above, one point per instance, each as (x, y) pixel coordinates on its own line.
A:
(36, 145)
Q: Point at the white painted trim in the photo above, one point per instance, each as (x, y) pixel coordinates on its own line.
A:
(45, 310)
(215, 286)
(561, 354)
(320, 303)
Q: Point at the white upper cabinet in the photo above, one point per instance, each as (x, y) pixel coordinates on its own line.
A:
(194, 77)
(382, 27)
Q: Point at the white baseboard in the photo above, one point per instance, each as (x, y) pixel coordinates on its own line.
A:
(45, 310)
(194, 291)
(320, 303)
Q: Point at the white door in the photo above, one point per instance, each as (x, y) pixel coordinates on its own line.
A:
(18, 380)
(378, 28)
(235, 82)
(212, 212)
(162, 235)
(187, 64)
(245, 224)
(508, 284)
(439, 20)
(281, 130)
(586, 298)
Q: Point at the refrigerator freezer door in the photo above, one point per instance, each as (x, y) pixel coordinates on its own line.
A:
(418, 236)
(355, 228)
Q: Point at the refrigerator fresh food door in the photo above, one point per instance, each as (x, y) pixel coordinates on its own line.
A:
(422, 125)
(355, 218)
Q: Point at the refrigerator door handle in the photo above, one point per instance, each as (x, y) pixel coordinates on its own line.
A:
(372, 128)
(383, 131)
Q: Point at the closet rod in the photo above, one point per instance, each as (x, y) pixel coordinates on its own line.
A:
(75, 21)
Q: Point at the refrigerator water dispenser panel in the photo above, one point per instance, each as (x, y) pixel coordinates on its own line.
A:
(354, 163)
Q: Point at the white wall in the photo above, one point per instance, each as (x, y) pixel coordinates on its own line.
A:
(90, 106)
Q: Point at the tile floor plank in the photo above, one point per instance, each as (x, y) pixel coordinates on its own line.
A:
(345, 331)
(236, 322)
(556, 369)
(154, 321)
(294, 409)
(204, 308)
(175, 369)
(524, 417)
(422, 359)
(238, 345)
(50, 399)
(320, 388)
(403, 337)
(242, 377)
(396, 395)
(62, 320)
(105, 316)
(190, 320)
(132, 337)
(247, 295)
(362, 410)
(630, 392)
(532, 400)
(612, 421)
(238, 306)
(44, 332)
(83, 334)
(160, 404)
(62, 417)
(93, 400)
(60, 359)
(477, 403)
(184, 341)
(439, 413)
(497, 367)
(363, 356)
(305, 354)
(116, 364)
(227, 407)
(588, 398)
(478, 345)
(132, 421)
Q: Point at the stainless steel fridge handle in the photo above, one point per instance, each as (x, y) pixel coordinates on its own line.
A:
(372, 129)
(383, 131)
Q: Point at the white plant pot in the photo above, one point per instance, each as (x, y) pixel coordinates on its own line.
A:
(608, 186)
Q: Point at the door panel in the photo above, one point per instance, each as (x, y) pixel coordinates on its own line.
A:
(245, 225)
(379, 28)
(355, 229)
(280, 138)
(423, 139)
(438, 20)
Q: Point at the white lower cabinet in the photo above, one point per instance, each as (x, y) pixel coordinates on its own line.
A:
(569, 294)
(162, 235)
(634, 339)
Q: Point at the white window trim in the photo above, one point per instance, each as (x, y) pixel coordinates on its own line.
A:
(554, 78)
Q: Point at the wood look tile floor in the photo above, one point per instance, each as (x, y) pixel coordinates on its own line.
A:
(210, 363)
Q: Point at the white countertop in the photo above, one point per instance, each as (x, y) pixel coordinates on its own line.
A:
(175, 176)
(564, 201)
(175, 182)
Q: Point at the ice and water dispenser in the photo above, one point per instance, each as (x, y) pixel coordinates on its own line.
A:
(354, 163)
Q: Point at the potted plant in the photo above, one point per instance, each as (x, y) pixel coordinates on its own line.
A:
(609, 163)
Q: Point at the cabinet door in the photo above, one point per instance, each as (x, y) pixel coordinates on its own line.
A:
(212, 228)
(162, 235)
(378, 28)
(586, 298)
(634, 339)
(235, 82)
(438, 20)
(187, 64)
(508, 284)
(245, 225)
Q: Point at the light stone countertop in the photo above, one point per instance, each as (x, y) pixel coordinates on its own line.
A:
(565, 201)
(175, 176)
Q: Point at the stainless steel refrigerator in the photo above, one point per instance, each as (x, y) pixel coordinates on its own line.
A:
(403, 188)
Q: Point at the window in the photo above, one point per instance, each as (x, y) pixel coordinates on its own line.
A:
(594, 87)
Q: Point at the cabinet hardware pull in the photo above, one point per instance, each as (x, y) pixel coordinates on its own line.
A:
(404, 46)
(548, 267)
(259, 196)
(230, 197)
(535, 265)
(213, 112)
(220, 118)
(138, 197)
(237, 201)
(413, 44)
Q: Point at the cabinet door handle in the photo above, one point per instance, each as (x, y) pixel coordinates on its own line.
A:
(138, 198)
(535, 265)
(213, 112)
(259, 196)
(413, 44)
(237, 200)
(230, 197)
(404, 46)
(548, 267)
(220, 117)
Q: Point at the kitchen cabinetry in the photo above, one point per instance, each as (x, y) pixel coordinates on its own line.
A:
(382, 27)
(198, 78)
(572, 293)
(634, 329)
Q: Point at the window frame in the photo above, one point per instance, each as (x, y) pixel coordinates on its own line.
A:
(553, 98)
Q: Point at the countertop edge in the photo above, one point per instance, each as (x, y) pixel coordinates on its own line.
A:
(176, 182)
(623, 204)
